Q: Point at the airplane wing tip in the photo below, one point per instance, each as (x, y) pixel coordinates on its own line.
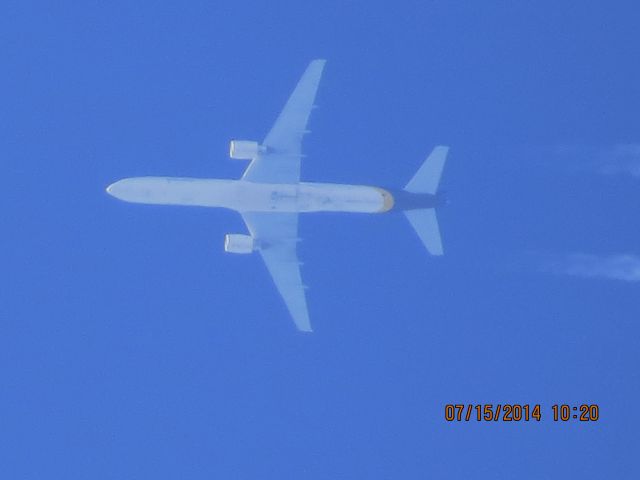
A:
(302, 323)
(303, 326)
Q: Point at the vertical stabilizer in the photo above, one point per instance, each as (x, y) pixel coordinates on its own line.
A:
(425, 223)
(427, 178)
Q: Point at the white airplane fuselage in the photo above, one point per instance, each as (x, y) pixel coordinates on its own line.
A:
(246, 196)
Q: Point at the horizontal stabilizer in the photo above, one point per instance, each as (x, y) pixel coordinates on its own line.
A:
(425, 223)
(427, 178)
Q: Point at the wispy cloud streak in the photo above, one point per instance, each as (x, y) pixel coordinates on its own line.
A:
(621, 159)
(623, 267)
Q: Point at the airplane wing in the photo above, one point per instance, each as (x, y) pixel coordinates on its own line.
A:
(281, 161)
(277, 235)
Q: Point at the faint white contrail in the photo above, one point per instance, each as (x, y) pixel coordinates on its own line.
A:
(620, 159)
(625, 267)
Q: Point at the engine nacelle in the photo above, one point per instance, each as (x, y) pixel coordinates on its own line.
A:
(245, 149)
(238, 243)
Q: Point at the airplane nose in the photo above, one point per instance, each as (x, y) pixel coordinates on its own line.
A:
(115, 189)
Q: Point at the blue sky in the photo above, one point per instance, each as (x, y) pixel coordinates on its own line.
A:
(132, 346)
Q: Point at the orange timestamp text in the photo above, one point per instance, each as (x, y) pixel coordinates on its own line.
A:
(515, 412)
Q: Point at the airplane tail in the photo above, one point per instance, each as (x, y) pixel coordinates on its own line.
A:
(426, 181)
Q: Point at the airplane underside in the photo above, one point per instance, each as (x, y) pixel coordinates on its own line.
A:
(270, 196)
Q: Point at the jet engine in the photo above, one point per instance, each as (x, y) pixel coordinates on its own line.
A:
(238, 243)
(245, 149)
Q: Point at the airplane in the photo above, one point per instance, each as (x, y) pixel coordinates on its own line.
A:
(269, 196)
